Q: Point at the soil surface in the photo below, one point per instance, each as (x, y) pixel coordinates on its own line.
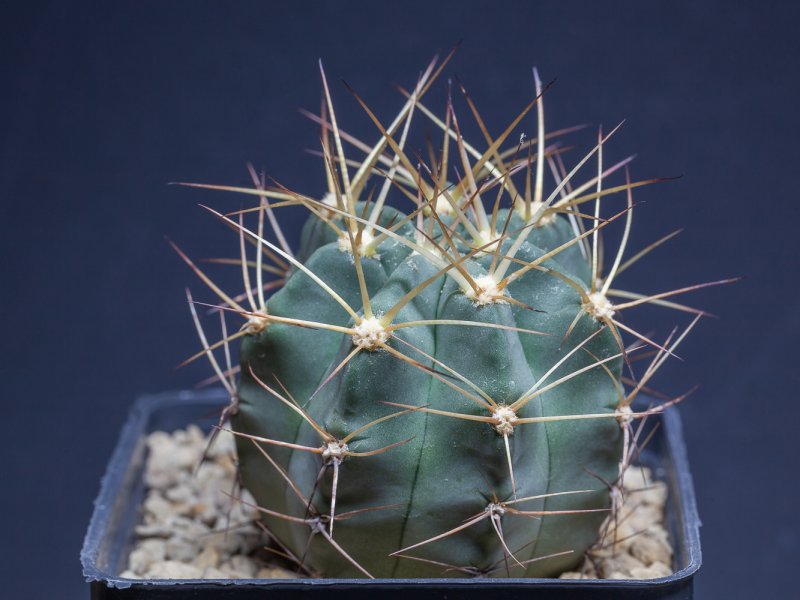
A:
(193, 527)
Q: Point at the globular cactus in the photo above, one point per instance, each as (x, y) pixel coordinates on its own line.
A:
(440, 391)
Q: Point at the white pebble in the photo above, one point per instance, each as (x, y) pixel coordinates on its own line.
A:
(172, 569)
(276, 573)
(650, 550)
(620, 562)
(244, 564)
(654, 571)
(145, 554)
(208, 558)
(181, 549)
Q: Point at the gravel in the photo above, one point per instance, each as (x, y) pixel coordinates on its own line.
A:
(635, 543)
(191, 527)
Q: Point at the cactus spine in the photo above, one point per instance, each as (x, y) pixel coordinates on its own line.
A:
(440, 391)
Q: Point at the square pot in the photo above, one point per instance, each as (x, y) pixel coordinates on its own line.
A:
(111, 530)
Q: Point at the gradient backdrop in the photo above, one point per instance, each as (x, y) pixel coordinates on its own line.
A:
(102, 104)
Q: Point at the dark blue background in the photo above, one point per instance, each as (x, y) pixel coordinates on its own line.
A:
(103, 104)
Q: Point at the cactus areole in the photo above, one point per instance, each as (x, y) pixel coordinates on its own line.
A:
(436, 391)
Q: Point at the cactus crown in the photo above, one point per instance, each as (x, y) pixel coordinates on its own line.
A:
(438, 392)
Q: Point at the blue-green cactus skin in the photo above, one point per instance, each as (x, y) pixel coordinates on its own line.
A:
(449, 469)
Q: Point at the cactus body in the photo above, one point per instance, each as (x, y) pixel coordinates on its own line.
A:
(451, 469)
(438, 392)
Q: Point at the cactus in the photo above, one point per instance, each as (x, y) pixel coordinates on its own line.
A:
(438, 391)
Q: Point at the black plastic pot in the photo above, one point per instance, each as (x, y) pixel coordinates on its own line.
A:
(110, 534)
